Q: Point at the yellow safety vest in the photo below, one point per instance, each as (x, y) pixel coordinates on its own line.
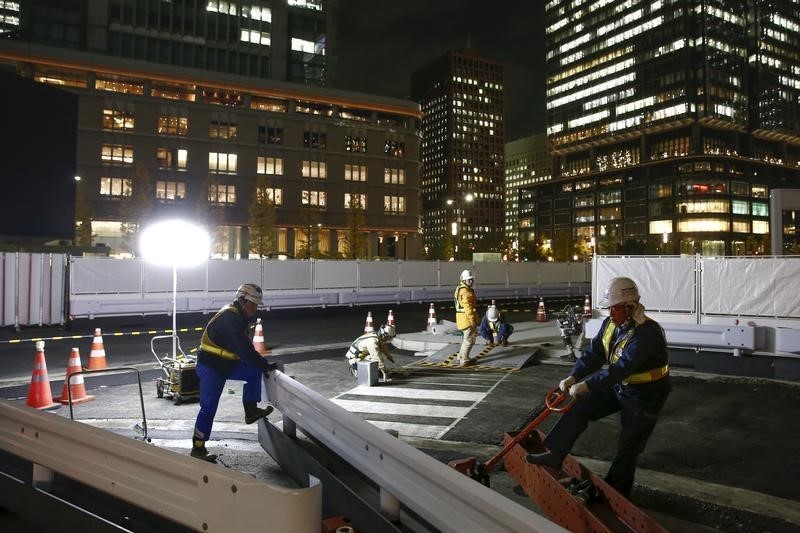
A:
(209, 346)
(614, 352)
(359, 353)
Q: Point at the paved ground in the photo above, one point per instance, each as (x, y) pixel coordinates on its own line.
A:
(722, 457)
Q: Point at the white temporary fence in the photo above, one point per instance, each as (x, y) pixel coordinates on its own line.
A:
(33, 288)
(729, 298)
(113, 287)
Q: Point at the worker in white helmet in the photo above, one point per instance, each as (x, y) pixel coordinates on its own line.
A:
(494, 329)
(466, 305)
(226, 352)
(635, 383)
(373, 346)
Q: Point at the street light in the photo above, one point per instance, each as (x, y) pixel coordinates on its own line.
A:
(174, 243)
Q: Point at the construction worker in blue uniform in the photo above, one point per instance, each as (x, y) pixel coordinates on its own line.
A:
(226, 352)
(494, 329)
(635, 383)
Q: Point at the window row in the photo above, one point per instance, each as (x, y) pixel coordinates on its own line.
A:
(121, 121)
(225, 163)
(111, 187)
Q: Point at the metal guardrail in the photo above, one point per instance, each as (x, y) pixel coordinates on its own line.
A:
(196, 494)
(448, 500)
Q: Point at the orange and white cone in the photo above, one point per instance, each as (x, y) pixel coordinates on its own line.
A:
(77, 390)
(368, 328)
(39, 394)
(587, 307)
(97, 356)
(390, 319)
(541, 315)
(431, 319)
(258, 339)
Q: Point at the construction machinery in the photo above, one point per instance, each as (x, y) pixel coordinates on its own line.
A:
(179, 381)
(570, 323)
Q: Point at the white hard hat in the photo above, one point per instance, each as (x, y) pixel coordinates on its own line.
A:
(386, 332)
(250, 292)
(620, 290)
(492, 313)
(466, 274)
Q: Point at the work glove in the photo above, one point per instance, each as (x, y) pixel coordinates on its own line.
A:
(566, 383)
(578, 389)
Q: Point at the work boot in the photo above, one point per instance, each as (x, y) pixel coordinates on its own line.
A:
(545, 459)
(253, 413)
(353, 367)
(199, 451)
(468, 362)
(490, 345)
(505, 342)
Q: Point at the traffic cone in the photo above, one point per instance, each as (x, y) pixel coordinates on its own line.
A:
(97, 357)
(431, 319)
(390, 319)
(587, 307)
(541, 316)
(39, 394)
(368, 326)
(258, 339)
(77, 388)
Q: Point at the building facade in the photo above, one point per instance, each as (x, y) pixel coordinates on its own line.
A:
(340, 169)
(461, 95)
(527, 163)
(669, 122)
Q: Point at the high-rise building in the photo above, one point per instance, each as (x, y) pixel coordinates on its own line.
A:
(210, 140)
(286, 40)
(670, 122)
(461, 94)
(528, 163)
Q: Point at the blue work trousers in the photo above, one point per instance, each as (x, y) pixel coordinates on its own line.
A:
(212, 382)
(638, 417)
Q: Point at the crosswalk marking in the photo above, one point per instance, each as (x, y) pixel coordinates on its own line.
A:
(417, 394)
(421, 410)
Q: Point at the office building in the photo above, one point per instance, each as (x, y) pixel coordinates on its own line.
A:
(461, 94)
(160, 139)
(669, 123)
(527, 163)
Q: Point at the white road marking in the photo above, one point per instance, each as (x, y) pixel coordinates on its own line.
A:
(424, 410)
(417, 394)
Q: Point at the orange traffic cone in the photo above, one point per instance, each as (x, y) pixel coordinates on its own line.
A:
(258, 339)
(431, 319)
(587, 307)
(390, 319)
(77, 390)
(541, 316)
(97, 357)
(368, 326)
(39, 394)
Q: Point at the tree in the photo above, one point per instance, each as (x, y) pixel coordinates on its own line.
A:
(262, 220)
(508, 252)
(83, 219)
(631, 246)
(209, 212)
(532, 251)
(309, 229)
(136, 208)
(562, 245)
(356, 244)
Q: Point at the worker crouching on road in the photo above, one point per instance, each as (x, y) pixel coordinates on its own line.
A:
(494, 328)
(371, 346)
(466, 316)
(636, 383)
(226, 352)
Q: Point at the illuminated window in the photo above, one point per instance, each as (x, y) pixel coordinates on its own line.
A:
(760, 226)
(115, 187)
(270, 165)
(115, 120)
(308, 47)
(703, 224)
(315, 198)
(117, 153)
(264, 14)
(741, 226)
(740, 207)
(170, 190)
(274, 194)
(394, 204)
(222, 130)
(355, 172)
(394, 148)
(353, 143)
(658, 227)
(760, 209)
(172, 125)
(221, 162)
(255, 37)
(314, 169)
(222, 194)
(759, 191)
(395, 176)
(171, 159)
(355, 201)
(316, 5)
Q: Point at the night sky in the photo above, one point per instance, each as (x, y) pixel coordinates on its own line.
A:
(381, 43)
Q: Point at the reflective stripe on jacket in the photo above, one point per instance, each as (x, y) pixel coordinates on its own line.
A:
(613, 354)
(209, 346)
